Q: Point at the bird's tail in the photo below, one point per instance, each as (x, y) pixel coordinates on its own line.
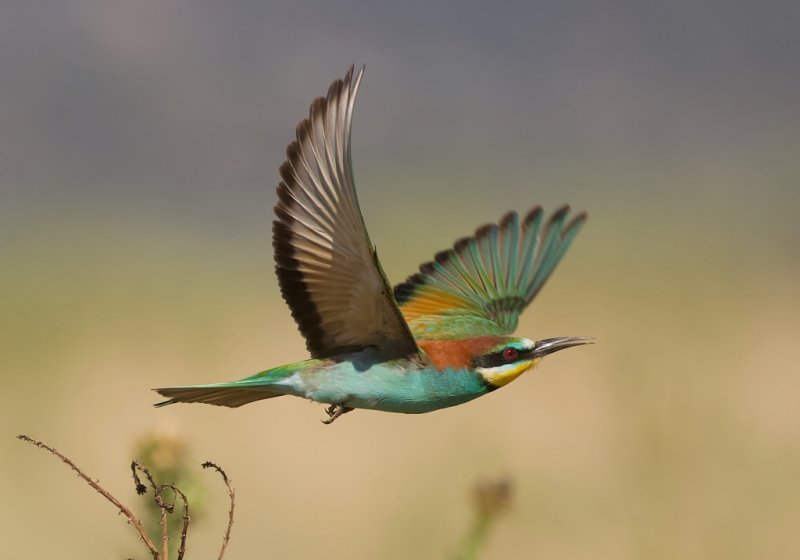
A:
(219, 394)
(264, 385)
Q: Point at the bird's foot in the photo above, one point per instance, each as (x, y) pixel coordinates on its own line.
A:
(334, 411)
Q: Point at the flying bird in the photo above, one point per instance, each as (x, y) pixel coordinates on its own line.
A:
(439, 339)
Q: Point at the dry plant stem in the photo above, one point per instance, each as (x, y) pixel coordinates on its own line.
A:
(165, 507)
(475, 539)
(141, 488)
(186, 518)
(164, 539)
(232, 496)
(132, 519)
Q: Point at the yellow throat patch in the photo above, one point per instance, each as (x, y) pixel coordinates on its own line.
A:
(505, 374)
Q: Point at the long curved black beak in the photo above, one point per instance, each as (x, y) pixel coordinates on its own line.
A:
(550, 345)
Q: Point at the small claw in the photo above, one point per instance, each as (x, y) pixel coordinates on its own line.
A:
(334, 411)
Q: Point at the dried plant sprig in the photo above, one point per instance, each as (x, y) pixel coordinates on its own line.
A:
(132, 519)
(141, 489)
(164, 506)
(232, 496)
(186, 518)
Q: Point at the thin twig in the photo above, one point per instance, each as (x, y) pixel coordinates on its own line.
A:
(164, 537)
(232, 496)
(186, 518)
(132, 519)
(141, 489)
(165, 507)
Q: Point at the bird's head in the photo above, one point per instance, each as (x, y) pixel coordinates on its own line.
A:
(511, 357)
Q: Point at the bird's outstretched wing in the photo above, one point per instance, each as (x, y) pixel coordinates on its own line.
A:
(481, 285)
(327, 268)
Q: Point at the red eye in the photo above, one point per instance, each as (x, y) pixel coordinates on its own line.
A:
(510, 354)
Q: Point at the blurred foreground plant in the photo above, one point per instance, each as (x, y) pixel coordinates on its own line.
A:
(164, 507)
(490, 499)
(168, 459)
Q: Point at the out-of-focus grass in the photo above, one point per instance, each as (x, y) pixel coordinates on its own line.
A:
(490, 499)
(675, 436)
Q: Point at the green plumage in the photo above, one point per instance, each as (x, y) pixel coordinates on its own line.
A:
(357, 380)
(481, 285)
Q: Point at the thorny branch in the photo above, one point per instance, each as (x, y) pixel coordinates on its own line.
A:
(158, 490)
(232, 496)
(165, 507)
(186, 518)
(132, 519)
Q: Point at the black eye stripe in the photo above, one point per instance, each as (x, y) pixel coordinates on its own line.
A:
(496, 359)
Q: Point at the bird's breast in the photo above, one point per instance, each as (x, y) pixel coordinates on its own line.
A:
(398, 386)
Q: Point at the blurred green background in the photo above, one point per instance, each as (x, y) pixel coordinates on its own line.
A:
(139, 146)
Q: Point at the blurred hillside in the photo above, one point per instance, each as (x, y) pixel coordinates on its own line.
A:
(139, 146)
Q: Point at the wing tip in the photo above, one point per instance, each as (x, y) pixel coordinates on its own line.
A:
(559, 213)
(405, 290)
(443, 257)
(533, 214)
(509, 218)
(559, 216)
(461, 244)
(486, 229)
(581, 216)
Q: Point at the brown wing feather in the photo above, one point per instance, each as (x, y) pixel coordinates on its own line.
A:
(327, 268)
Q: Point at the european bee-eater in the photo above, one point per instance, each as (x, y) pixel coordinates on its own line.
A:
(439, 339)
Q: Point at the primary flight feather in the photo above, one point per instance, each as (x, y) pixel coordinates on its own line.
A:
(439, 339)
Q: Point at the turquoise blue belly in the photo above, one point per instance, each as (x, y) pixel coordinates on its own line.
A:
(392, 389)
